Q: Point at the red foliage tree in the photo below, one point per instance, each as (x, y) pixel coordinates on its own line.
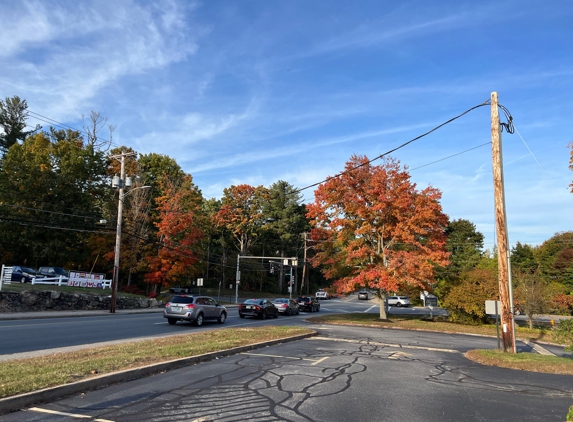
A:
(374, 229)
(179, 232)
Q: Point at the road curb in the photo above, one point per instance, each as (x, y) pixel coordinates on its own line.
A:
(15, 403)
(526, 341)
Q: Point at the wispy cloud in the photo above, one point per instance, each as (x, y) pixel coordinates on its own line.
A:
(66, 56)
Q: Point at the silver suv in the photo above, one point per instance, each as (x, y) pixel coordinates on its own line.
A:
(398, 301)
(194, 309)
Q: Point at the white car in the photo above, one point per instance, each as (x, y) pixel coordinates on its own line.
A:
(322, 294)
(398, 301)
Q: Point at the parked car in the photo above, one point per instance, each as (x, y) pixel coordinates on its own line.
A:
(194, 309)
(53, 272)
(259, 308)
(363, 295)
(309, 304)
(322, 294)
(287, 306)
(398, 301)
(22, 274)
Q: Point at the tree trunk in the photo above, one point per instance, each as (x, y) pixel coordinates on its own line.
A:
(530, 319)
(381, 296)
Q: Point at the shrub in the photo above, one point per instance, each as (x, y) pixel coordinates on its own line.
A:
(570, 415)
(564, 333)
(466, 301)
(132, 288)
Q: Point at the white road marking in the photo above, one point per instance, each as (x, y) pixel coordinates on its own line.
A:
(320, 360)
(286, 357)
(372, 307)
(71, 415)
(375, 343)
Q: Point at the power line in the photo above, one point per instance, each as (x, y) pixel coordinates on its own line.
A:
(49, 120)
(485, 103)
(450, 156)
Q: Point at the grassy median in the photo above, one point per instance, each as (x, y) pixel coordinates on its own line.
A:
(523, 361)
(24, 375)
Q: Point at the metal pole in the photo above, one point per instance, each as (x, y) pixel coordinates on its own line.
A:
(115, 279)
(290, 283)
(237, 280)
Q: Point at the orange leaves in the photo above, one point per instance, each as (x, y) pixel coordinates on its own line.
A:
(179, 230)
(374, 228)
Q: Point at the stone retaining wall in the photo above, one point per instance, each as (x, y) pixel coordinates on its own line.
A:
(50, 300)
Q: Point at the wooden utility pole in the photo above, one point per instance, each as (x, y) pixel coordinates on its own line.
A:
(505, 291)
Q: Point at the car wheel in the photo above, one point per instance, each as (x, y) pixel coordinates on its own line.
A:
(264, 315)
(318, 309)
(241, 316)
(171, 321)
(277, 313)
(399, 305)
(199, 320)
(23, 280)
(222, 318)
(288, 312)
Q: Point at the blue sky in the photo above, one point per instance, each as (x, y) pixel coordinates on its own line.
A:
(260, 91)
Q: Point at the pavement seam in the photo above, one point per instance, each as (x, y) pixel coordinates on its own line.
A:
(20, 401)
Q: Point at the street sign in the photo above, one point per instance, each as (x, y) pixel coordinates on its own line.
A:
(492, 307)
(199, 282)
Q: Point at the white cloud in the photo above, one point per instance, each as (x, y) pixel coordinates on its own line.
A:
(76, 52)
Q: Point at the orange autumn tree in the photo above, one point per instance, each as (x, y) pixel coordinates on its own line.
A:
(179, 233)
(374, 229)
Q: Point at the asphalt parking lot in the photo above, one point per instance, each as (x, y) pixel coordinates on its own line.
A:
(344, 373)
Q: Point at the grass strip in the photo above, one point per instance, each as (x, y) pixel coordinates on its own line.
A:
(522, 361)
(415, 323)
(25, 375)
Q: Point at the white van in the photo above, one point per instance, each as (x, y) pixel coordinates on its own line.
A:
(322, 294)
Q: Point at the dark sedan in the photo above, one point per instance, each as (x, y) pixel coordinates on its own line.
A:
(22, 274)
(259, 308)
(308, 304)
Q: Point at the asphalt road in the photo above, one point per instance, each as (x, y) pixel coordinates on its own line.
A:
(347, 373)
(20, 336)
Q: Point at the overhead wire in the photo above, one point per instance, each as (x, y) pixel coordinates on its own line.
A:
(487, 102)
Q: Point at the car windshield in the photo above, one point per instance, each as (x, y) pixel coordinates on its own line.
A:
(304, 299)
(404, 297)
(253, 301)
(182, 299)
(28, 270)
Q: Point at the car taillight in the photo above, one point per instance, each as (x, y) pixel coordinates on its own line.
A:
(258, 308)
(190, 306)
(168, 304)
(283, 305)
